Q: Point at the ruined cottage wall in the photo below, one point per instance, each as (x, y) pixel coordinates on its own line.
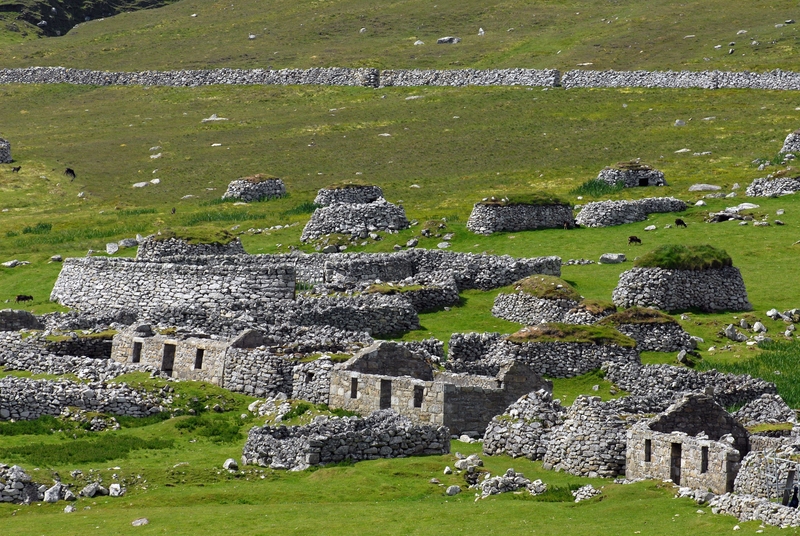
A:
(749, 508)
(93, 347)
(248, 191)
(525, 427)
(26, 399)
(766, 187)
(15, 320)
(355, 220)
(257, 372)
(655, 337)
(632, 178)
(710, 290)
(609, 213)
(154, 250)
(352, 195)
(768, 408)
(762, 476)
(312, 381)
(97, 282)
(488, 219)
(376, 314)
(722, 459)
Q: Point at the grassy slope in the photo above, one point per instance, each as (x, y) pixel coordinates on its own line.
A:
(524, 33)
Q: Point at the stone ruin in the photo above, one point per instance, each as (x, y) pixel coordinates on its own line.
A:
(492, 216)
(352, 194)
(355, 219)
(525, 428)
(652, 330)
(713, 289)
(632, 174)
(609, 213)
(5, 152)
(255, 188)
(156, 247)
(773, 187)
(792, 143)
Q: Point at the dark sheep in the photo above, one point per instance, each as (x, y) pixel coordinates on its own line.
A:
(634, 240)
(23, 298)
(680, 223)
(16, 169)
(69, 172)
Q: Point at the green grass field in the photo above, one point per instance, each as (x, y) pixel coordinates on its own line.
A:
(458, 146)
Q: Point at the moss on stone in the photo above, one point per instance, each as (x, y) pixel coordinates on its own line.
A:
(194, 237)
(547, 287)
(770, 427)
(597, 307)
(638, 315)
(632, 165)
(679, 257)
(390, 289)
(345, 185)
(258, 177)
(558, 332)
(533, 199)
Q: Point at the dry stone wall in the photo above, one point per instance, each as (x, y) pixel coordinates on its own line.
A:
(151, 249)
(710, 290)
(632, 178)
(383, 434)
(257, 372)
(312, 381)
(470, 77)
(764, 474)
(16, 486)
(766, 187)
(5, 152)
(658, 337)
(486, 219)
(530, 310)
(349, 194)
(254, 190)
(749, 508)
(766, 409)
(355, 219)
(608, 213)
(375, 313)
(777, 79)
(14, 320)
(792, 143)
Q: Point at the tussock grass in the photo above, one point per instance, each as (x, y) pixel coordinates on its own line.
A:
(598, 188)
(558, 332)
(597, 307)
(390, 290)
(679, 257)
(100, 449)
(547, 287)
(638, 315)
(198, 236)
(307, 207)
(534, 199)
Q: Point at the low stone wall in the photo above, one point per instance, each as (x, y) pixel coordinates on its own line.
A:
(254, 190)
(357, 220)
(350, 194)
(608, 213)
(26, 399)
(99, 282)
(525, 428)
(486, 219)
(766, 409)
(632, 178)
(14, 320)
(749, 508)
(658, 337)
(763, 474)
(93, 347)
(591, 442)
(376, 314)
(257, 372)
(353, 268)
(383, 434)
(530, 310)
(466, 347)
(766, 187)
(312, 381)
(151, 249)
(5, 152)
(470, 77)
(674, 290)
(777, 79)
(432, 295)
(649, 380)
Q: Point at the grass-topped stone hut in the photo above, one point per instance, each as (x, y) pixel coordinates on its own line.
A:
(255, 188)
(546, 298)
(189, 243)
(348, 193)
(632, 174)
(5, 151)
(651, 329)
(677, 277)
(520, 213)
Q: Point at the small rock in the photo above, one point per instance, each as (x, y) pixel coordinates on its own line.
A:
(141, 521)
(56, 258)
(230, 465)
(412, 243)
(453, 490)
(111, 248)
(69, 509)
(449, 40)
(448, 470)
(650, 228)
(680, 123)
(612, 258)
(700, 203)
(443, 245)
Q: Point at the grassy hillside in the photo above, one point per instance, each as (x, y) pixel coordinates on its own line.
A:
(523, 33)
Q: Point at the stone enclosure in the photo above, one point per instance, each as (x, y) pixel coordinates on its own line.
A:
(608, 213)
(255, 188)
(489, 217)
(5, 152)
(632, 174)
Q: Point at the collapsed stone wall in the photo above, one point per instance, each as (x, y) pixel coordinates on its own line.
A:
(650, 380)
(350, 194)
(16, 486)
(763, 474)
(383, 434)
(525, 428)
(608, 213)
(658, 337)
(530, 310)
(14, 320)
(749, 508)
(375, 313)
(257, 372)
(254, 190)
(710, 290)
(632, 178)
(355, 219)
(766, 409)
(312, 381)
(151, 249)
(26, 399)
(766, 187)
(470, 77)
(98, 282)
(5, 152)
(486, 219)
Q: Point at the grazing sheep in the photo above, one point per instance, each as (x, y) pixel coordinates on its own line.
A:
(634, 240)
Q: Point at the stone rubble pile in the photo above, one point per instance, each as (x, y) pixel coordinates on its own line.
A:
(792, 143)
(255, 188)
(17, 487)
(349, 194)
(383, 434)
(773, 80)
(766, 409)
(355, 219)
(608, 213)
(584, 493)
(767, 187)
(510, 481)
(749, 508)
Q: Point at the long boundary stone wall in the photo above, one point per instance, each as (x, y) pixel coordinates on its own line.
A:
(339, 76)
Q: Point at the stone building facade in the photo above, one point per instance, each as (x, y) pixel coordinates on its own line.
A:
(388, 376)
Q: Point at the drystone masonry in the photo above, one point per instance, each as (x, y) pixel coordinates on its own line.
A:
(525, 428)
(637, 176)
(774, 80)
(658, 337)
(5, 151)
(84, 346)
(257, 372)
(355, 219)
(487, 218)
(766, 409)
(749, 508)
(471, 346)
(658, 380)
(383, 434)
(26, 399)
(98, 282)
(351, 194)
(766, 187)
(592, 440)
(312, 381)
(608, 213)
(764, 474)
(376, 314)
(255, 188)
(16, 486)
(530, 310)
(710, 290)
(152, 249)
(15, 320)
(792, 142)
(470, 77)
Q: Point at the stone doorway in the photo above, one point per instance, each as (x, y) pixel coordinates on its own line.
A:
(386, 394)
(675, 463)
(168, 359)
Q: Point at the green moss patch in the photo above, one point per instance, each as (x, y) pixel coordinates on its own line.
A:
(558, 332)
(638, 315)
(770, 427)
(195, 236)
(597, 307)
(389, 289)
(534, 199)
(258, 177)
(547, 287)
(679, 257)
(345, 185)
(632, 165)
